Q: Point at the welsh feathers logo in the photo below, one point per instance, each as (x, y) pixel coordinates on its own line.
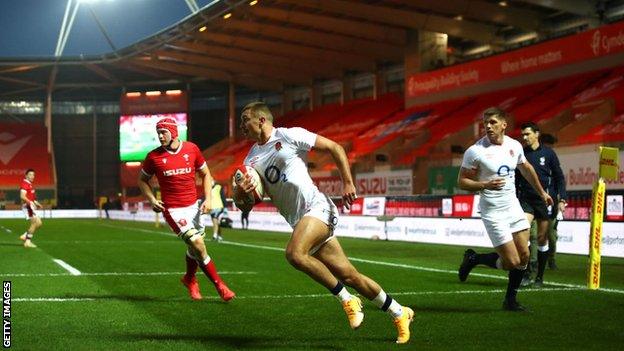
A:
(186, 157)
(164, 161)
(10, 146)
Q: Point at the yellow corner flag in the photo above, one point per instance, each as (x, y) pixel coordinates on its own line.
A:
(595, 236)
(609, 162)
(609, 167)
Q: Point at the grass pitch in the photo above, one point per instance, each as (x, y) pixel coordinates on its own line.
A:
(128, 296)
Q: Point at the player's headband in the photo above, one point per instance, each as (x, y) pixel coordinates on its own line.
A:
(168, 124)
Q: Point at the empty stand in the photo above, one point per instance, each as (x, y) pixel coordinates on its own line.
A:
(584, 108)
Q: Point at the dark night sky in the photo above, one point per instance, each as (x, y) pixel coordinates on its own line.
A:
(31, 27)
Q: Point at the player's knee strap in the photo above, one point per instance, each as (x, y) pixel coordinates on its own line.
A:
(191, 235)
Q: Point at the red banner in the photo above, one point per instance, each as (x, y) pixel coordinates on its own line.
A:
(465, 206)
(357, 206)
(603, 41)
(24, 146)
(160, 103)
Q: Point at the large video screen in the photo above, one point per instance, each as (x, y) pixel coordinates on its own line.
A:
(137, 134)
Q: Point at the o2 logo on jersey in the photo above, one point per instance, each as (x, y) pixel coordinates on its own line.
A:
(504, 171)
(273, 175)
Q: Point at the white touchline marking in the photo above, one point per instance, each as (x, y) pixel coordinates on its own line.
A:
(109, 274)
(391, 264)
(253, 246)
(138, 230)
(293, 296)
(70, 269)
(6, 229)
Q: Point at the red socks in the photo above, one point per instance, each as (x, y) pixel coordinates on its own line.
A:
(211, 271)
(191, 267)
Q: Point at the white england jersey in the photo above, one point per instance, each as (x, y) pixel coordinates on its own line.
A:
(495, 161)
(281, 163)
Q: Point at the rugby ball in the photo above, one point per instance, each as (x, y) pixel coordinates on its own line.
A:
(247, 200)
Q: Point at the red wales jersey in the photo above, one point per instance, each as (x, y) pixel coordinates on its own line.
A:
(30, 191)
(175, 171)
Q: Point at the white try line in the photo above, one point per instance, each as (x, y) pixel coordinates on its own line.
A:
(291, 296)
(70, 269)
(52, 299)
(96, 274)
(107, 242)
(392, 264)
(427, 269)
(6, 229)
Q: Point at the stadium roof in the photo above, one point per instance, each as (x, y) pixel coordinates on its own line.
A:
(276, 44)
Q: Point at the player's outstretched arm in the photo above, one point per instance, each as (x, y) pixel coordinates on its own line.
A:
(146, 189)
(342, 162)
(528, 172)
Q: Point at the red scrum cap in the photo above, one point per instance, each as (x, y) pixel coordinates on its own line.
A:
(168, 124)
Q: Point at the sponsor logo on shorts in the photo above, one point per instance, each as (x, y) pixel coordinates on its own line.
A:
(333, 220)
(182, 222)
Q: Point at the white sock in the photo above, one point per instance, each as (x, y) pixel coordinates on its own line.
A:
(544, 248)
(499, 263)
(388, 304)
(343, 295)
(207, 260)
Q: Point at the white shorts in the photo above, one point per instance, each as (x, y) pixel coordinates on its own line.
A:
(323, 208)
(181, 219)
(502, 221)
(30, 211)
